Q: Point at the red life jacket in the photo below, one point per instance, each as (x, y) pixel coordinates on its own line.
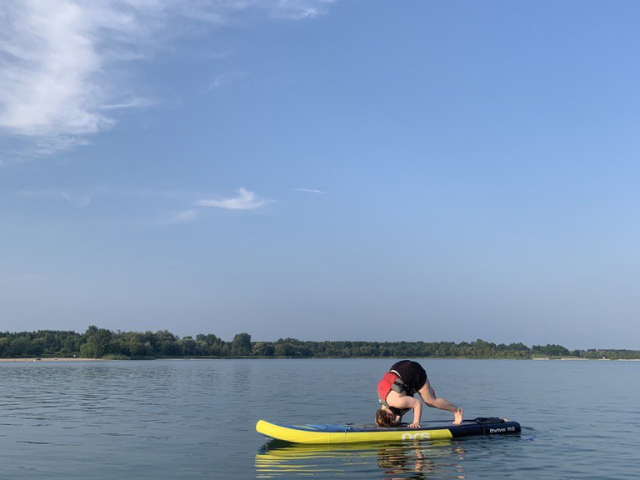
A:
(391, 381)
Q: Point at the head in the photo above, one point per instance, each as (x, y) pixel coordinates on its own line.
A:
(385, 418)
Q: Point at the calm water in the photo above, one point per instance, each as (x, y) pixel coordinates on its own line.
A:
(196, 419)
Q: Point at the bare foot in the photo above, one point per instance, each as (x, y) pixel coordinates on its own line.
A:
(457, 416)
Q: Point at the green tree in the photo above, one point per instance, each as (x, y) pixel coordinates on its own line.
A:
(263, 349)
(241, 344)
(285, 349)
(19, 346)
(188, 345)
(97, 340)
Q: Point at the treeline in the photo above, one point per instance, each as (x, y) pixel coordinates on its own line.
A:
(102, 343)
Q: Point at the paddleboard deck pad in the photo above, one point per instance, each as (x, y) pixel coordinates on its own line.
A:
(340, 434)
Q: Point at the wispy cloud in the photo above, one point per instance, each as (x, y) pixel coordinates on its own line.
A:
(310, 190)
(182, 217)
(295, 9)
(77, 200)
(50, 64)
(245, 200)
(58, 59)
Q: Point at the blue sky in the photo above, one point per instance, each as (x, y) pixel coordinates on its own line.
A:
(325, 170)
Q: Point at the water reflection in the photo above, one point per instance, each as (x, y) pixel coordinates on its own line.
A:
(389, 461)
(420, 461)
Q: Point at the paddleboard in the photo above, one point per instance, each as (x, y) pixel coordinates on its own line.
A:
(331, 434)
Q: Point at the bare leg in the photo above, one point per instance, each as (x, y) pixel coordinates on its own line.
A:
(429, 397)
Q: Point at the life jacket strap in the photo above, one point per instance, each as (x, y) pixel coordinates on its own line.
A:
(397, 386)
(401, 387)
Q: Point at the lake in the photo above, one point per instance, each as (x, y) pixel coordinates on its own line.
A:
(175, 419)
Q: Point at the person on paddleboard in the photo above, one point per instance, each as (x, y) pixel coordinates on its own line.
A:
(396, 393)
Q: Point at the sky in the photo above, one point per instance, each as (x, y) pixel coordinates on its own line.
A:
(323, 169)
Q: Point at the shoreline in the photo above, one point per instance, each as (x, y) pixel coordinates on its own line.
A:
(58, 359)
(82, 359)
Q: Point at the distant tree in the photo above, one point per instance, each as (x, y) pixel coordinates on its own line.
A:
(241, 344)
(135, 345)
(36, 347)
(188, 345)
(5, 345)
(97, 340)
(285, 350)
(19, 346)
(553, 350)
(263, 349)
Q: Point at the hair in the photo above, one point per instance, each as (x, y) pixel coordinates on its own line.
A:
(383, 419)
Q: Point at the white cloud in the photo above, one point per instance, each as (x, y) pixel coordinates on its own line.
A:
(310, 190)
(295, 9)
(49, 63)
(245, 200)
(58, 59)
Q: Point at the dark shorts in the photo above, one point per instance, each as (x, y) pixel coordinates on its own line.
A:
(411, 373)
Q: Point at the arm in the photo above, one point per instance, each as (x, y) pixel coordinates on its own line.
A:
(394, 399)
(417, 413)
